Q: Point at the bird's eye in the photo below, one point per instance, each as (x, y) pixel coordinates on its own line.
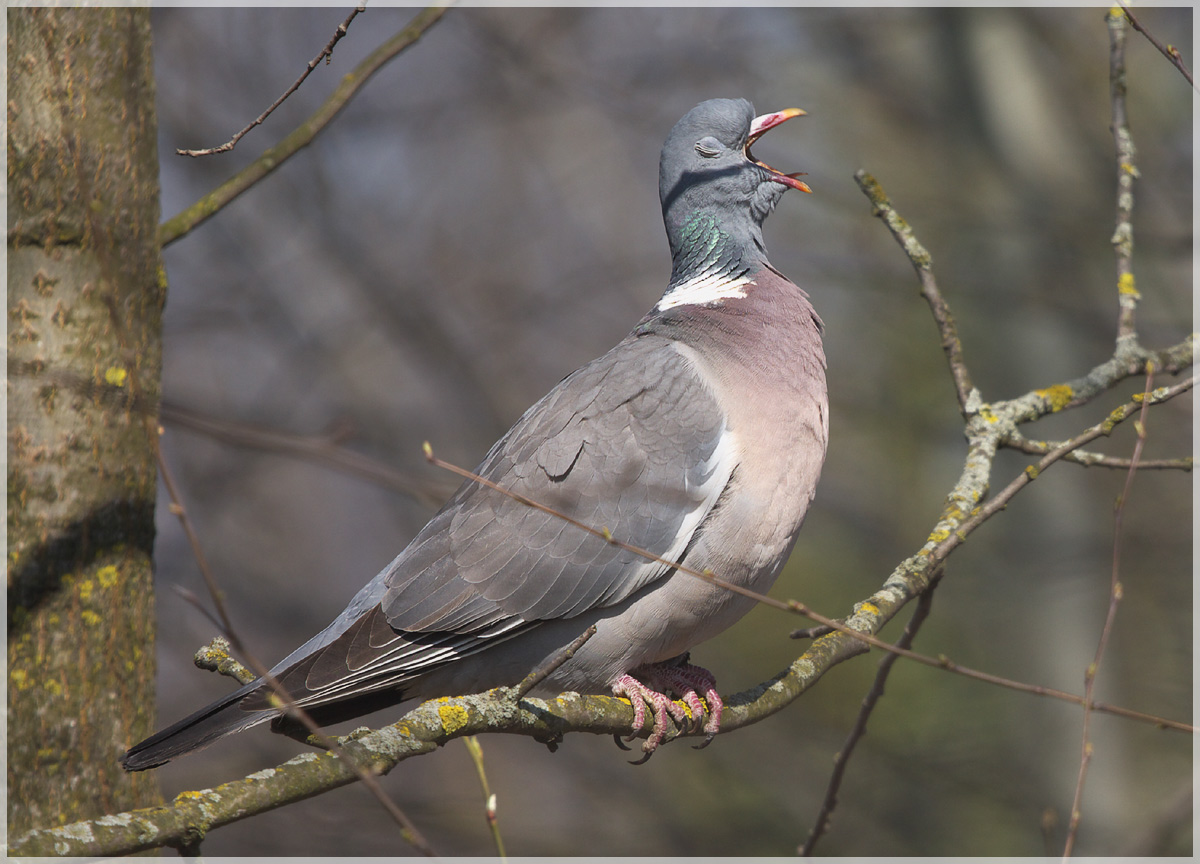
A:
(708, 147)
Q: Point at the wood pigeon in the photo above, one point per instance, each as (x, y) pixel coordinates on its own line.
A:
(699, 437)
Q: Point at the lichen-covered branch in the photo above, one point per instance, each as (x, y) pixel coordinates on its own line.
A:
(191, 815)
(1087, 458)
(1127, 172)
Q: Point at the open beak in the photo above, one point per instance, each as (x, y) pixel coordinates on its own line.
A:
(769, 121)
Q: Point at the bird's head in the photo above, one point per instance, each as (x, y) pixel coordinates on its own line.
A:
(709, 180)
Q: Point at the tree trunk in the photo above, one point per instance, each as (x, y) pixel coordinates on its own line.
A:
(85, 296)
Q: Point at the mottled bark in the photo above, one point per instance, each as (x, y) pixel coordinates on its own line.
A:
(85, 296)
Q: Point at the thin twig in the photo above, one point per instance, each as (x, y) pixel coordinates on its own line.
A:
(302, 136)
(821, 825)
(320, 449)
(326, 52)
(1017, 441)
(922, 262)
(814, 632)
(489, 797)
(1168, 51)
(540, 674)
(1114, 599)
(942, 662)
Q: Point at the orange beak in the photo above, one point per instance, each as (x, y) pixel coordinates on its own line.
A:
(769, 121)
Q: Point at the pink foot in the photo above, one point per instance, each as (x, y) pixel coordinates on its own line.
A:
(685, 680)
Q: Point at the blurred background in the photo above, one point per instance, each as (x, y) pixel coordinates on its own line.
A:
(484, 217)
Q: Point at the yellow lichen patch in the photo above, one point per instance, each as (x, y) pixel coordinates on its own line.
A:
(20, 679)
(115, 376)
(53, 687)
(868, 608)
(108, 576)
(939, 535)
(453, 717)
(1058, 397)
(90, 618)
(989, 415)
(85, 590)
(1127, 286)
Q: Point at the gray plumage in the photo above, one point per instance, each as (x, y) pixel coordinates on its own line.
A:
(699, 437)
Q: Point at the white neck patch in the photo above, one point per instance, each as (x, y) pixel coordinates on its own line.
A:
(704, 289)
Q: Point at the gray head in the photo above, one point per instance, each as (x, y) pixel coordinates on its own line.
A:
(715, 194)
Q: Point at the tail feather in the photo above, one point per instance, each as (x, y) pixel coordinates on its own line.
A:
(221, 718)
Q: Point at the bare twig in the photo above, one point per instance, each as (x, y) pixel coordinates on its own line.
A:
(538, 675)
(945, 663)
(320, 449)
(273, 157)
(821, 825)
(489, 797)
(1168, 51)
(1114, 599)
(326, 54)
(814, 632)
(922, 262)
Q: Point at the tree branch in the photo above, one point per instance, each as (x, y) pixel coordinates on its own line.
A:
(922, 262)
(302, 136)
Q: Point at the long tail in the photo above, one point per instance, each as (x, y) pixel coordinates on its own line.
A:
(221, 718)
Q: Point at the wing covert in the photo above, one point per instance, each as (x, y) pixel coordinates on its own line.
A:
(633, 442)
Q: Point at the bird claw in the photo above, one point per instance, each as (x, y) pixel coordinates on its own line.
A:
(682, 678)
